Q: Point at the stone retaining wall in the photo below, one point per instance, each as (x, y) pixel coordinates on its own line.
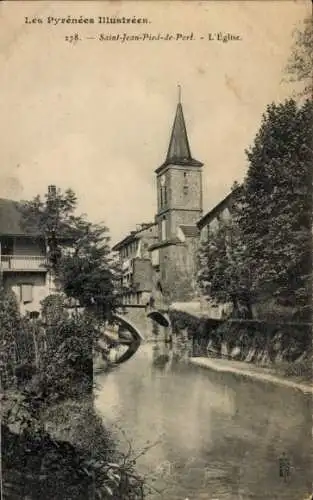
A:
(257, 342)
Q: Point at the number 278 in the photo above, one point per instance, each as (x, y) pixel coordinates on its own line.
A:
(72, 38)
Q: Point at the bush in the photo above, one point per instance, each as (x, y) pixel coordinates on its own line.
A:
(53, 309)
(44, 467)
(10, 322)
(183, 321)
(62, 449)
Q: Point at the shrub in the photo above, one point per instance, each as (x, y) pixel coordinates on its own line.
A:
(10, 322)
(44, 467)
(53, 309)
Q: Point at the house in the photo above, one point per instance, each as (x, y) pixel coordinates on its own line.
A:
(213, 218)
(208, 224)
(23, 259)
(179, 207)
(136, 264)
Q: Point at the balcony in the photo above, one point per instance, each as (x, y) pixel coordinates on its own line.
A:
(127, 266)
(12, 263)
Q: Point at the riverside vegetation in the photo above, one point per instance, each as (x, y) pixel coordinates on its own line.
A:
(261, 343)
(54, 445)
(260, 261)
(262, 266)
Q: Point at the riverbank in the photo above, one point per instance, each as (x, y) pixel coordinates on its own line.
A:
(212, 435)
(251, 371)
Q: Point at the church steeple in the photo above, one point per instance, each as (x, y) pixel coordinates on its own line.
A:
(179, 145)
(178, 152)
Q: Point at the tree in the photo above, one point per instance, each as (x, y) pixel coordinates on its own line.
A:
(223, 275)
(85, 272)
(78, 250)
(269, 257)
(10, 322)
(275, 215)
(300, 64)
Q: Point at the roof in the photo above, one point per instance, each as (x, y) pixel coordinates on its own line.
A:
(190, 231)
(178, 152)
(11, 222)
(211, 214)
(166, 243)
(11, 219)
(132, 236)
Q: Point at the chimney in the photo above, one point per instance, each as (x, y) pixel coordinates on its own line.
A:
(52, 190)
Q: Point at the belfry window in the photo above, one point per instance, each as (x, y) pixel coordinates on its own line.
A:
(163, 194)
(163, 191)
(185, 186)
(163, 229)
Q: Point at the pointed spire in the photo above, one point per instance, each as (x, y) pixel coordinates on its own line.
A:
(179, 151)
(179, 145)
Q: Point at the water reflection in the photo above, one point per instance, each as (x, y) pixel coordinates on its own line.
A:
(220, 436)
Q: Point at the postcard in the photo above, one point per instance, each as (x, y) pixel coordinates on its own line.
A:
(156, 249)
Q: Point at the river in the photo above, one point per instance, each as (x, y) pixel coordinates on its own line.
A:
(209, 435)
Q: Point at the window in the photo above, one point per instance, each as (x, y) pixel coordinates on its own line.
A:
(26, 293)
(6, 246)
(163, 192)
(34, 314)
(165, 195)
(163, 229)
(185, 188)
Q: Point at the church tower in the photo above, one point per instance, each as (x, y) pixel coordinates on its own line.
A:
(179, 183)
(179, 206)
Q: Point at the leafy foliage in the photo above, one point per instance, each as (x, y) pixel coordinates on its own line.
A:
(47, 467)
(223, 274)
(79, 253)
(9, 310)
(59, 390)
(10, 322)
(54, 367)
(275, 215)
(300, 65)
(53, 309)
(264, 252)
(86, 274)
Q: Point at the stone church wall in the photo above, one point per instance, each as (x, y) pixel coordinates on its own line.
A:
(177, 277)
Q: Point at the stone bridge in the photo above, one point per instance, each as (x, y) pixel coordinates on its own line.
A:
(149, 329)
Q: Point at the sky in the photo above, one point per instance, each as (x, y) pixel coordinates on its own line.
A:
(96, 116)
